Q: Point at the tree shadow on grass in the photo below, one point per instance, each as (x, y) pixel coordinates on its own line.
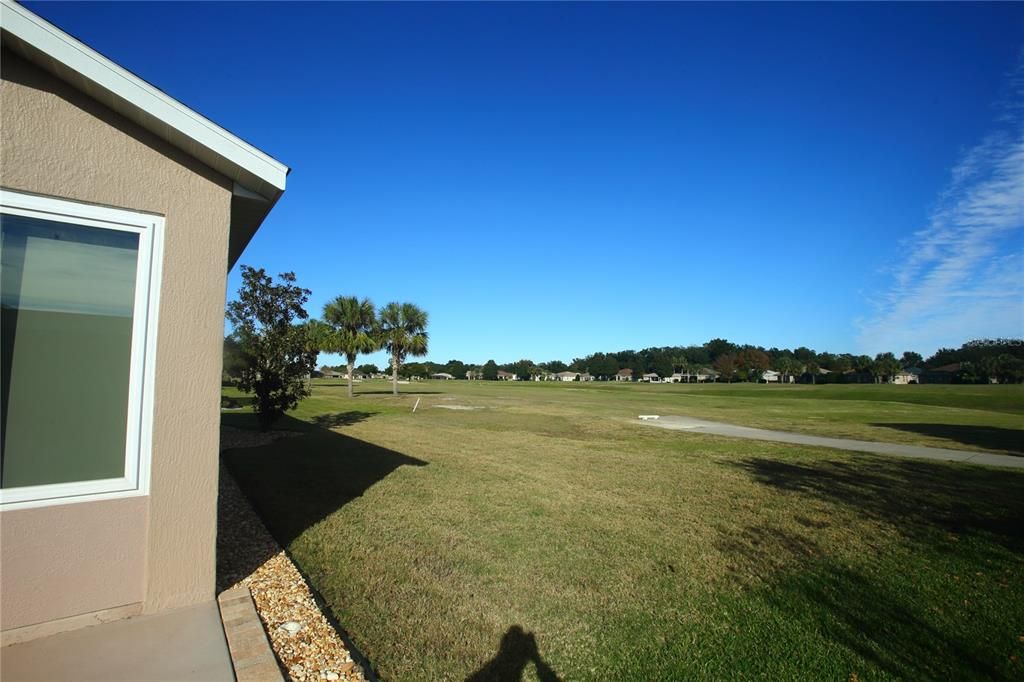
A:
(328, 421)
(516, 651)
(890, 629)
(891, 617)
(1009, 441)
(915, 497)
(246, 419)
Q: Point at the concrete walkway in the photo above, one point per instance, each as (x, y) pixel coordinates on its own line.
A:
(893, 449)
(181, 645)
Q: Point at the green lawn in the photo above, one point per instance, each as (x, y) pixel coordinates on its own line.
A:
(548, 531)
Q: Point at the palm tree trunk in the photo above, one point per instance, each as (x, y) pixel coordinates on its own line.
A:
(351, 368)
(394, 376)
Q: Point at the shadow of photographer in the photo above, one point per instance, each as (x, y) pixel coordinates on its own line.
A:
(518, 648)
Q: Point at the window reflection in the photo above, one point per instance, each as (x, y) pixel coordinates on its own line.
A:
(67, 299)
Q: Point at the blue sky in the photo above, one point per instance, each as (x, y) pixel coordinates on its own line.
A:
(549, 180)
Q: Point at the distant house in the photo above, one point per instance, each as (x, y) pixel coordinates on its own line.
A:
(333, 374)
(586, 376)
(906, 376)
(507, 376)
(685, 377)
(770, 376)
(651, 378)
(705, 374)
(624, 375)
(474, 374)
(568, 376)
(444, 376)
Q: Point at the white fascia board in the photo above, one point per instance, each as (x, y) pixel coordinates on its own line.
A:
(238, 159)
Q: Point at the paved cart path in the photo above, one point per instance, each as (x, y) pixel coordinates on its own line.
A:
(895, 449)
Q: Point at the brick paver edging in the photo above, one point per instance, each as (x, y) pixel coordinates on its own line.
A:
(250, 651)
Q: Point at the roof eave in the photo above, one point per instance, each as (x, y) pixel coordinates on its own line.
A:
(87, 70)
(248, 211)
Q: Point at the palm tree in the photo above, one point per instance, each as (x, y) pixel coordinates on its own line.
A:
(814, 369)
(403, 332)
(319, 339)
(355, 327)
(785, 366)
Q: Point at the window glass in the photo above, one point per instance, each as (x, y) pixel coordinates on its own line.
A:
(67, 296)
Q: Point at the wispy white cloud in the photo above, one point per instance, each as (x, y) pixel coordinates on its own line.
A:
(962, 276)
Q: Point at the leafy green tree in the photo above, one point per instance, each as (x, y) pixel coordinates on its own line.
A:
(490, 370)
(276, 349)
(234, 358)
(804, 354)
(697, 355)
(354, 326)
(974, 351)
(605, 366)
(862, 363)
(411, 370)
(555, 366)
(662, 364)
(522, 369)
(717, 347)
(368, 369)
(403, 332)
(1003, 368)
(885, 366)
(841, 364)
(1008, 369)
(911, 359)
(456, 368)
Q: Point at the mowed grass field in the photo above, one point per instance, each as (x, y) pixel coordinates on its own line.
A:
(546, 532)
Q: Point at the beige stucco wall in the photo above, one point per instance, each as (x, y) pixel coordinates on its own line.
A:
(57, 141)
(46, 549)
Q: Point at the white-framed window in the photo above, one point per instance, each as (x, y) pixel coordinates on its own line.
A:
(79, 293)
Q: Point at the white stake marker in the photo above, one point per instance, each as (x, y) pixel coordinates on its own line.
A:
(416, 405)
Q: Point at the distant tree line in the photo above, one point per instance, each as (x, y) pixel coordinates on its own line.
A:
(272, 350)
(980, 361)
